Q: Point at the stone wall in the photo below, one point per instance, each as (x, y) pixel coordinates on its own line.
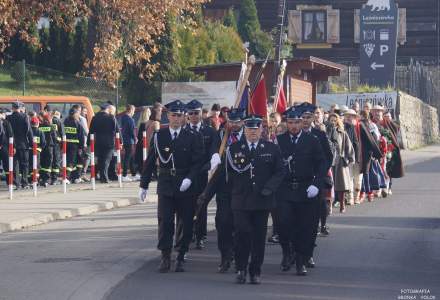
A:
(419, 121)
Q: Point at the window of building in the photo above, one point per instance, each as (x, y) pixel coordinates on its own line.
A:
(314, 26)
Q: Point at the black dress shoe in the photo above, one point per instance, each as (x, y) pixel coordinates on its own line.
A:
(300, 268)
(286, 263)
(179, 266)
(165, 264)
(254, 279)
(310, 263)
(241, 277)
(224, 266)
(324, 231)
(273, 239)
(199, 245)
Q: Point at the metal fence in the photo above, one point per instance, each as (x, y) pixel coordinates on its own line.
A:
(414, 78)
(20, 79)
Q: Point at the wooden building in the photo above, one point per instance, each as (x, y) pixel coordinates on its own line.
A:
(330, 28)
(301, 76)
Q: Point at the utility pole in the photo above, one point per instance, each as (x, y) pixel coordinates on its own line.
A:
(279, 41)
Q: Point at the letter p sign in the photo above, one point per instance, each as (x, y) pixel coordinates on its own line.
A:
(383, 49)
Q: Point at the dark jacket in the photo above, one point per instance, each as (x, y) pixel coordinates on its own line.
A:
(211, 144)
(5, 133)
(266, 174)
(59, 129)
(50, 134)
(41, 139)
(306, 166)
(127, 130)
(369, 148)
(325, 145)
(74, 132)
(351, 132)
(187, 150)
(104, 127)
(22, 130)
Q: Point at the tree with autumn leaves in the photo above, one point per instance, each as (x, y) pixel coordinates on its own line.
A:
(120, 32)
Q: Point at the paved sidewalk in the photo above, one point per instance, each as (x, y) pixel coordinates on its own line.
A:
(51, 204)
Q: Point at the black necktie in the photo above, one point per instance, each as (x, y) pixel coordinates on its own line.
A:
(175, 135)
(294, 137)
(252, 150)
(195, 128)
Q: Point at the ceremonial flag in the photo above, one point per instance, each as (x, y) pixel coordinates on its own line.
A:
(244, 102)
(282, 103)
(258, 104)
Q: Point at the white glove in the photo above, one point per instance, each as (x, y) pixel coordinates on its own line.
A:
(215, 161)
(142, 194)
(312, 191)
(186, 183)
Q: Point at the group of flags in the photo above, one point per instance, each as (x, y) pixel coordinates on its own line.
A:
(256, 101)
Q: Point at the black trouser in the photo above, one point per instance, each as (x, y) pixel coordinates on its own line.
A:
(128, 161)
(297, 225)
(324, 210)
(167, 208)
(21, 166)
(201, 224)
(104, 156)
(224, 224)
(46, 163)
(56, 162)
(72, 161)
(112, 168)
(250, 234)
(4, 158)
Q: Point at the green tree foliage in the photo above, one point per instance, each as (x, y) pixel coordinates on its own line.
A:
(230, 19)
(250, 30)
(43, 56)
(54, 47)
(19, 50)
(80, 45)
(65, 55)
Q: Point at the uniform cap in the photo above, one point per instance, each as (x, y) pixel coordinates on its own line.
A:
(17, 104)
(253, 121)
(293, 113)
(306, 108)
(236, 114)
(194, 105)
(176, 106)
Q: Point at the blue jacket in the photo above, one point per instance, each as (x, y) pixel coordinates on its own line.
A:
(127, 129)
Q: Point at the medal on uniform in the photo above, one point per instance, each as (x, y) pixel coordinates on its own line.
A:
(173, 171)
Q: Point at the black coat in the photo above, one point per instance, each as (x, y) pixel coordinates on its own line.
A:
(369, 148)
(41, 139)
(325, 145)
(187, 150)
(22, 130)
(211, 144)
(351, 132)
(104, 127)
(5, 133)
(267, 173)
(306, 166)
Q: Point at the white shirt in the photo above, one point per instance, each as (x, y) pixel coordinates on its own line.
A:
(198, 125)
(175, 130)
(250, 145)
(297, 137)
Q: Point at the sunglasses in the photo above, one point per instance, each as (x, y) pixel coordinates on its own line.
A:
(195, 113)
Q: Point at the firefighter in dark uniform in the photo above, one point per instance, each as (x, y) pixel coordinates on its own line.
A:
(256, 169)
(211, 159)
(47, 153)
(298, 194)
(41, 143)
(57, 125)
(219, 186)
(22, 142)
(5, 133)
(75, 144)
(308, 115)
(180, 155)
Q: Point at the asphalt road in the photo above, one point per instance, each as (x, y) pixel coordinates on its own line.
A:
(379, 250)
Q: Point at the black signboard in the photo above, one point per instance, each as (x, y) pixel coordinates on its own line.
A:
(378, 42)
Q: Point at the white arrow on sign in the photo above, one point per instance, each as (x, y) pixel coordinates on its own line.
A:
(374, 66)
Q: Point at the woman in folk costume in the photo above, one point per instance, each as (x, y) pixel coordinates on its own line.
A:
(374, 178)
(392, 162)
(344, 156)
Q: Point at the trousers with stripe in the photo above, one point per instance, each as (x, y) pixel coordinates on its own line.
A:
(46, 163)
(72, 166)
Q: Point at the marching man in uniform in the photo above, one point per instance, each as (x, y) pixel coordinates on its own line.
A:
(298, 194)
(255, 169)
(180, 154)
